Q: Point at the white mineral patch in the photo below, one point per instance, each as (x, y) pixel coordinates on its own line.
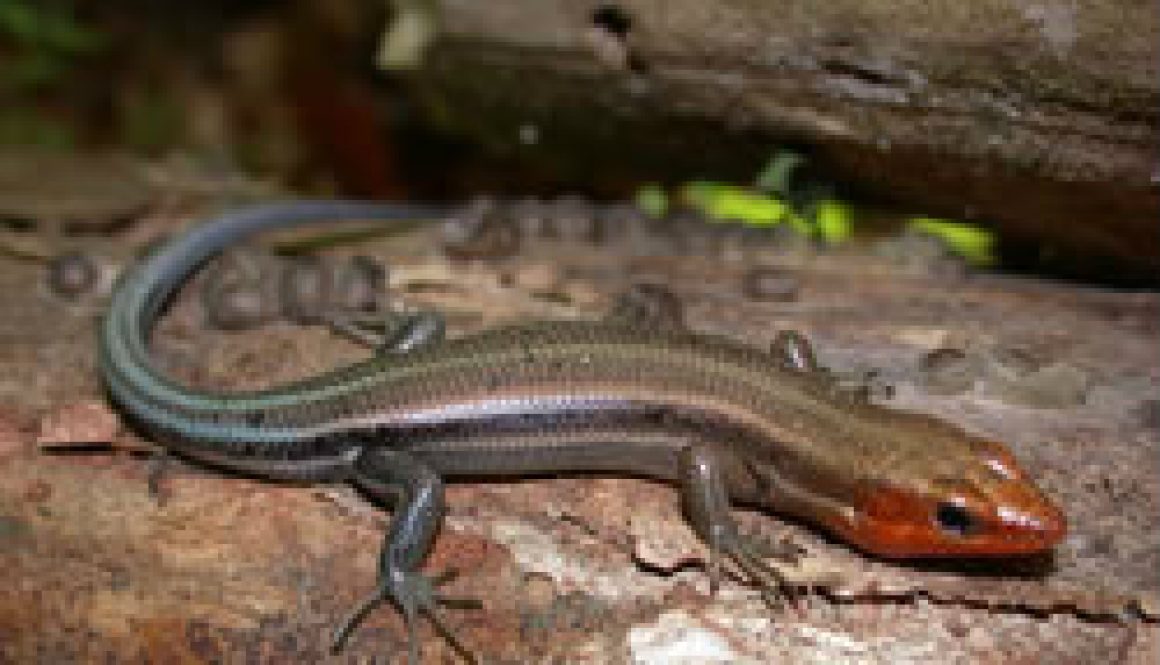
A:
(827, 647)
(677, 638)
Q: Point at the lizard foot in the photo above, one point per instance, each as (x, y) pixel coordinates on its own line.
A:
(414, 594)
(745, 553)
(390, 332)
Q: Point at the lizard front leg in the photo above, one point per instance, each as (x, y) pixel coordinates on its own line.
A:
(706, 502)
(418, 493)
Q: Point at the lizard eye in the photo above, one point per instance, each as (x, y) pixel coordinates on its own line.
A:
(954, 519)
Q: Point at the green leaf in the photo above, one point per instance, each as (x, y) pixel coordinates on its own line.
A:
(653, 200)
(730, 203)
(973, 243)
(834, 220)
(775, 177)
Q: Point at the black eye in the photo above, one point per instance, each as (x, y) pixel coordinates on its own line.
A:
(954, 519)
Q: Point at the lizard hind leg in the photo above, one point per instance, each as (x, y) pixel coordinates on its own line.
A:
(389, 332)
(417, 492)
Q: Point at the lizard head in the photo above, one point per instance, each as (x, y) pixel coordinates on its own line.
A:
(905, 485)
(898, 484)
(981, 504)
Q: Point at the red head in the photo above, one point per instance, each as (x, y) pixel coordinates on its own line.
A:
(988, 508)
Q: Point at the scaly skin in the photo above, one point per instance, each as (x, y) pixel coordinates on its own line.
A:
(727, 422)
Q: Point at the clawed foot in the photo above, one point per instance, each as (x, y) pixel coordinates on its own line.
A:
(775, 587)
(414, 594)
(389, 332)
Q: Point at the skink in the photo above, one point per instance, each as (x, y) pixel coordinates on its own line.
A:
(634, 394)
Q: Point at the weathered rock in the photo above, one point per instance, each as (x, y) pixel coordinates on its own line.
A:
(1040, 117)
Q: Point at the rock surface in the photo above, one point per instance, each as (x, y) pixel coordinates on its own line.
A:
(231, 569)
(1038, 116)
